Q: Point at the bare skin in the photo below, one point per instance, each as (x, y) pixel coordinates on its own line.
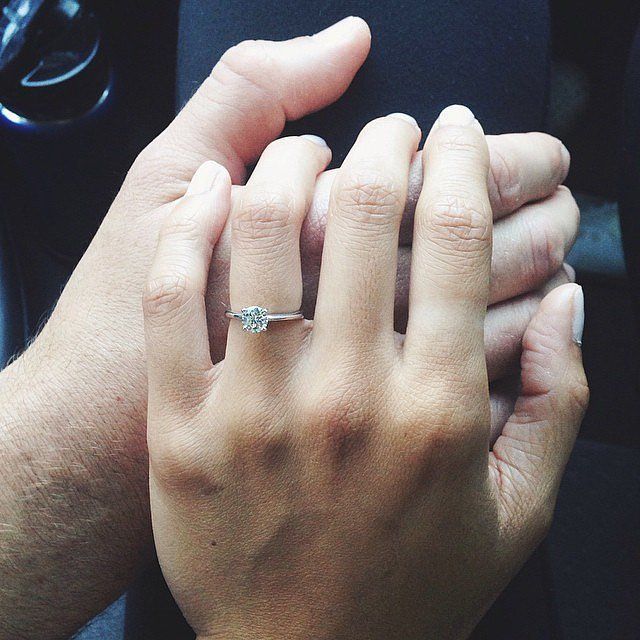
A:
(74, 514)
(334, 479)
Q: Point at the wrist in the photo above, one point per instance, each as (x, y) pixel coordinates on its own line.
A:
(75, 504)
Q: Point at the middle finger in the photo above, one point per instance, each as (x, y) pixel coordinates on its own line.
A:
(357, 280)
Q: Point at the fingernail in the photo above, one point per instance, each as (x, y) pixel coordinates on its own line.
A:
(407, 118)
(339, 31)
(456, 115)
(570, 271)
(578, 316)
(404, 116)
(205, 178)
(321, 142)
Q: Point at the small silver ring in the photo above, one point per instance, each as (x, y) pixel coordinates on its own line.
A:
(256, 319)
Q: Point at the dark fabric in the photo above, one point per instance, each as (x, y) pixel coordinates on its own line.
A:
(594, 545)
(584, 582)
(629, 201)
(488, 54)
(151, 613)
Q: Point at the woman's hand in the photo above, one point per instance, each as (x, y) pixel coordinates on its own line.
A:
(535, 225)
(335, 479)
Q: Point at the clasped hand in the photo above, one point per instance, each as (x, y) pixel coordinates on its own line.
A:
(335, 479)
(269, 515)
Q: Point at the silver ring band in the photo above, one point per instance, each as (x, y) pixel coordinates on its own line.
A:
(257, 319)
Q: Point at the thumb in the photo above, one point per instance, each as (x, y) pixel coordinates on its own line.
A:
(253, 90)
(528, 459)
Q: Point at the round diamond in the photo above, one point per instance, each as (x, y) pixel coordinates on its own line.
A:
(254, 319)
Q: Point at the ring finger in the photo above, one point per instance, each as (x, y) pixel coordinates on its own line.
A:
(265, 266)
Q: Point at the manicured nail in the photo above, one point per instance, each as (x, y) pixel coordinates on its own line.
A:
(578, 316)
(205, 178)
(405, 117)
(456, 115)
(566, 158)
(340, 30)
(570, 271)
(321, 142)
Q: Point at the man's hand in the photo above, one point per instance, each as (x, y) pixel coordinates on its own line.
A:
(74, 511)
(74, 514)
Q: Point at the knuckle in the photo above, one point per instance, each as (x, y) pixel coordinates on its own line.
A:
(547, 248)
(245, 62)
(178, 463)
(248, 69)
(164, 295)
(461, 143)
(439, 429)
(368, 196)
(167, 459)
(150, 172)
(505, 182)
(182, 222)
(344, 427)
(246, 52)
(265, 216)
(459, 223)
(340, 417)
(149, 158)
(257, 440)
(432, 444)
(579, 394)
(265, 447)
(338, 396)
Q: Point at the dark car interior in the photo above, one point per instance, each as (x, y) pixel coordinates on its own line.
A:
(84, 86)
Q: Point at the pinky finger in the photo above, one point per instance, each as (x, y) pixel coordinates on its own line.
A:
(177, 339)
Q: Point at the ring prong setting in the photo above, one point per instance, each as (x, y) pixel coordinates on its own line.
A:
(254, 319)
(257, 319)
